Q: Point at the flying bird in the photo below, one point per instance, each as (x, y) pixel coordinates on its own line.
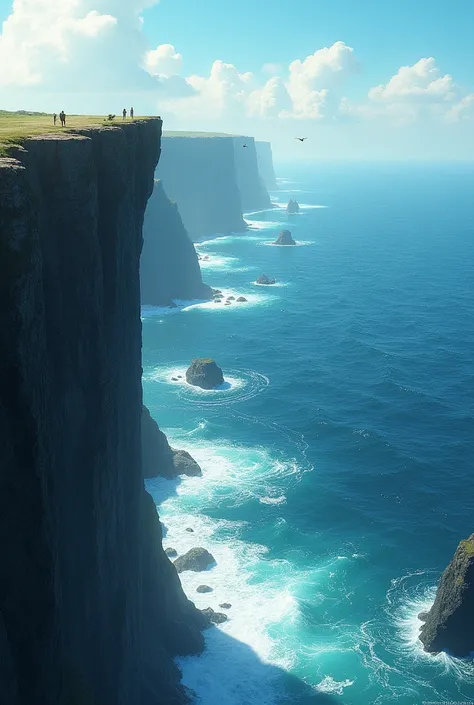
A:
(301, 139)
(244, 145)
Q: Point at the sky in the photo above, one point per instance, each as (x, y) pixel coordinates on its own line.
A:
(361, 79)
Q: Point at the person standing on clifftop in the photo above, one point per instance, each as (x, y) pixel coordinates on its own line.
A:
(55, 117)
(131, 113)
(124, 113)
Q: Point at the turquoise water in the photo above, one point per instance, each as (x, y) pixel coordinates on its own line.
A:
(338, 462)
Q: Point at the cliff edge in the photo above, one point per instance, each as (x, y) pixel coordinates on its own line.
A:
(169, 263)
(265, 165)
(449, 625)
(252, 189)
(91, 609)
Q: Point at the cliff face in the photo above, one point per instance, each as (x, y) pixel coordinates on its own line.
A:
(169, 264)
(265, 165)
(449, 625)
(91, 610)
(199, 174)
(253, 193)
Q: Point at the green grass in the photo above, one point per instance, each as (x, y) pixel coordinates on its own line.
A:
(15, 128)
(468, 547)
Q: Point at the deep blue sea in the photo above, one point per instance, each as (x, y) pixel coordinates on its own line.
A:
(338, 461)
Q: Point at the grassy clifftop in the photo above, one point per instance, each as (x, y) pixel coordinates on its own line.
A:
(15, 128)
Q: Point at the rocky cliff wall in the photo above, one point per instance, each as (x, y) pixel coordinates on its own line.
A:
(91, 610)
(169, 265)
(199, 174)
(265, 165)
(253, 193)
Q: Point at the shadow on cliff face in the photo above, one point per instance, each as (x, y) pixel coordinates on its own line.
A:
(229, 672)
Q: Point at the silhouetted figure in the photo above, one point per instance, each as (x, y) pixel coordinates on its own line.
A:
(62, 117)
(131, 113)
(301, 139)
(55, 117)
(245, 145)
(124, 113)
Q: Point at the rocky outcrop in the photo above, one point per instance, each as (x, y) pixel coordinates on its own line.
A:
(205, 373)
(158, 458)
(266, 281)
(253, 193)
(91, 609)
(265, 165)
(197, 560)
(198, 172)
(449, 625)
(169, 267)
(214, 617)
(293, 207)
(204, 589)
(285, 238)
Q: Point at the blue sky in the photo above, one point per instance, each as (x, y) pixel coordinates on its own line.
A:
(364, 79)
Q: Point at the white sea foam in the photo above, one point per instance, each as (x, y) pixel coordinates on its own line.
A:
(299, 243)
(264, 224)
(217, 262)
(329, 685)
(276, 285)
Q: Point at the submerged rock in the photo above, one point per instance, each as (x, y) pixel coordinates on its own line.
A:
(197, 560)
(205, 373)
(423, 616)
(204, 589)
(449, 624)
(241, 299)
(285, 238)
(171, 552)
(189, 530)
(225, 606)
(263, 279)
(293, 206)
(231, 298)
(214, 617)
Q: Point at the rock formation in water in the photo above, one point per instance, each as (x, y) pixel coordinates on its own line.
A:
(198, 173)
(91, 608)
(197, 560)
(265, 165)
(285, 238)
(169, 267)
(266, 281)
(158, 458)
(293, 207)
(205, 373)
(253, 193)
(449, 625)
(214, 617)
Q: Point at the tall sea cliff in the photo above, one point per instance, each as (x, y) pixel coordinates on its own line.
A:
(252, 189)
(199, 173)
(91, 609)
(169, 264)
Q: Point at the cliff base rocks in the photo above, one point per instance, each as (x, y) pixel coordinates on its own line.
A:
(214, 617)
(204, 373)
(158, 458)
(285, 238)
(449, 624)
(197, 560)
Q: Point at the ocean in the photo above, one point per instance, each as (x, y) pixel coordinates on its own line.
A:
(337, 461)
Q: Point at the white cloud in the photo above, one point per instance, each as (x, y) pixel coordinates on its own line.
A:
(272, 100)
(73, 44)
(417, 83)
(163, 61)
(462, 110)
(310, 80)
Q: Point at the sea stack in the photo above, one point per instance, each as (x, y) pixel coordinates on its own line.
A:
(449, 624)
(263, 279)
(285, 238)
(293, 207)
(205, 373)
